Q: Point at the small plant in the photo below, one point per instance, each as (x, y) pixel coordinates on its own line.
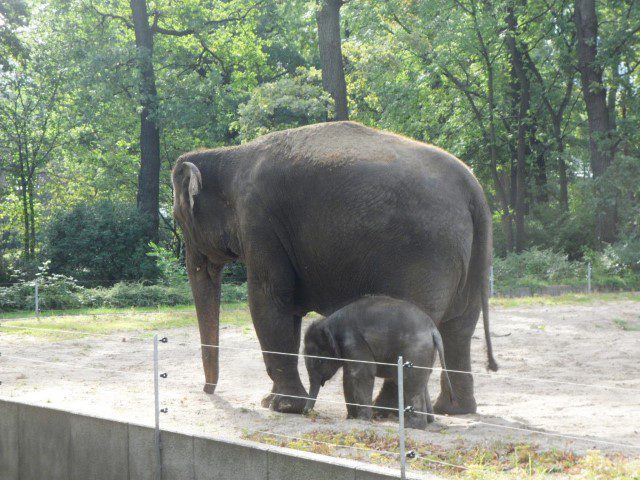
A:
(172, 272)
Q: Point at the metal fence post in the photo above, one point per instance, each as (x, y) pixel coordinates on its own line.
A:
(491, 285)
(37, 299)
(156, 392)
(403, 453)
(589, 277)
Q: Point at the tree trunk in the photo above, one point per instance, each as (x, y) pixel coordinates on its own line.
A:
(149, 174)
(32, 218)
(25, 211)
(562, 166)
(505, 217)
(330, 46)
(601, 145)
(524, 98)
(539, 150)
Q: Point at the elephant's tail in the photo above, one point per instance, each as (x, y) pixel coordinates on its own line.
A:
(492, 365)
(437, 341)
(483, 253)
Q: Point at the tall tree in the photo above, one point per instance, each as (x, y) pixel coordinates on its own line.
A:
(601, 131)
(330, 46)
(149, 173)
(522, 97)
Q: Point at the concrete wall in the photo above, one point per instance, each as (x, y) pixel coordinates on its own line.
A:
(39, 443)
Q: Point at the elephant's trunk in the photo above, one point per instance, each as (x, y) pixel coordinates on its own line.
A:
(313, 394)
(205, 279)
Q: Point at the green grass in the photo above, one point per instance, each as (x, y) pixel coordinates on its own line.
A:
(627, 326)
(144, 319)
(105, 321)
(566, 299)
(497, 461)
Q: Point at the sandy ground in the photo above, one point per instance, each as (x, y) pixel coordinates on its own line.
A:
(580, 344)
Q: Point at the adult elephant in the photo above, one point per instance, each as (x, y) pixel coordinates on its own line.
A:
(322, 215)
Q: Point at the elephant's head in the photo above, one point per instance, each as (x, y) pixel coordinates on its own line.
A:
(320, 342)
(203, 204)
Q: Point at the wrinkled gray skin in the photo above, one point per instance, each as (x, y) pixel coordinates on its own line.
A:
(322, 215)
(375, 329)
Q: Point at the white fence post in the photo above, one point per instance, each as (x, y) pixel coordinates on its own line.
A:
(589, 277)
(156, 392)
(403, 454)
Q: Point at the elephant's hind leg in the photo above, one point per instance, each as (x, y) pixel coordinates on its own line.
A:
(456, 336)
(386, 399)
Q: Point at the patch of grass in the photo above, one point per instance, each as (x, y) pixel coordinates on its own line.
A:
(508, 461)
(567, 299)
(105, 321)
(627, 326)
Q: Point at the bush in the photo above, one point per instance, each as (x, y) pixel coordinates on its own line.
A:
(54, 292)
(535, 268)
(234, 293)
(172, 272)
(100, 244)
(139, 295)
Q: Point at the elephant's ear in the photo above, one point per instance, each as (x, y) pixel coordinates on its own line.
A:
(187, 181)
(331, 341)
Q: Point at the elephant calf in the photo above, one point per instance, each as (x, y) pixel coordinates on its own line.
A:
(375, 329)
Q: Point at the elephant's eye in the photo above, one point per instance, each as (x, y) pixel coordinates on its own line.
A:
(322, 383)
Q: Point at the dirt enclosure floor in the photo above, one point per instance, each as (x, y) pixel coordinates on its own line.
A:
(596, 344)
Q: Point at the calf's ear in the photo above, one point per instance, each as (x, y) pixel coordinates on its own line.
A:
(331, 341)
(187, 182)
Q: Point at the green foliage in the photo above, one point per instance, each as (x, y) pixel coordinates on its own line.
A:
(285, 103)
(234, 272)
(534, 268)
(54, 292)
(172, 272)
(99, 243)
(234, 292)
(136, 294)
(538, 268)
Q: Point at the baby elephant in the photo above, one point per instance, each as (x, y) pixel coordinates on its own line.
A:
(375, 329)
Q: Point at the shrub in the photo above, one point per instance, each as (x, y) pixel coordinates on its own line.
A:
(54, 292)
(234, 292)
(171, 271)
(137, 294)
(535, 268)
(100, 243)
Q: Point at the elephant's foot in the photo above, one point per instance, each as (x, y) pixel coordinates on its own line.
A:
(209, 388)
(288, 399)
(361, 414)
(266, 401)
(444, 405)
(419, 422)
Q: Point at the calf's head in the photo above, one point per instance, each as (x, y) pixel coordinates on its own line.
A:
(320, 342)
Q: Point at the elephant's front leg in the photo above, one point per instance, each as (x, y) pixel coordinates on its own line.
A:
(456, 337)
(278, 331)
(358, 381)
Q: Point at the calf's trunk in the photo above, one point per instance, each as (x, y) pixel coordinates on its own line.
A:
(313, 395)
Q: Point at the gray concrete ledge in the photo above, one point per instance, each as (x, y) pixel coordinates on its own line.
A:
(38, 442)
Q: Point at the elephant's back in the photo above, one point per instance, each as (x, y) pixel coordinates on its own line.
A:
(368, 212)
